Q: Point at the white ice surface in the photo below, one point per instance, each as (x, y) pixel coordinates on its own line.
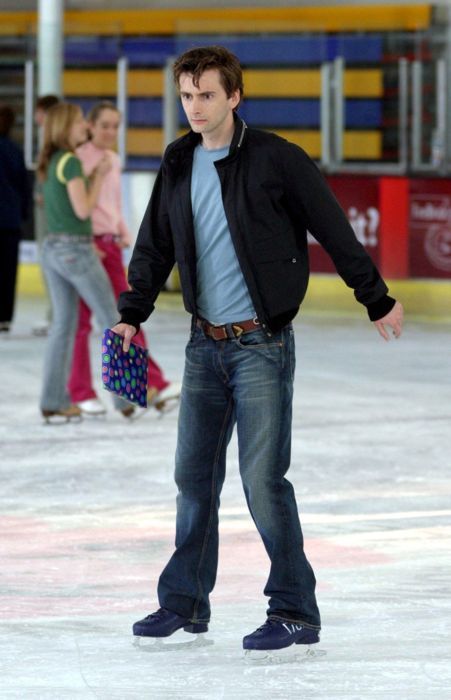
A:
(87, 522)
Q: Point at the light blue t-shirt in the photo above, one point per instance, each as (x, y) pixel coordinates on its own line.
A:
(222, 293)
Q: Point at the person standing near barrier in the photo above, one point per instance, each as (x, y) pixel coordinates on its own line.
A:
(14, 207)
(71, 266)
(43, 104)
(232, 206)
(110, 235)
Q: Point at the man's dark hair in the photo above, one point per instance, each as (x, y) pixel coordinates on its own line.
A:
(7, 119)
(197, 61)
(46, 101)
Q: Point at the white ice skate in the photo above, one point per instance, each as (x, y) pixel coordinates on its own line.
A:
(92, 408)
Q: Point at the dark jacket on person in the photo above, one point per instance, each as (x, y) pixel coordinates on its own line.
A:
(14, 186)
(273, 193)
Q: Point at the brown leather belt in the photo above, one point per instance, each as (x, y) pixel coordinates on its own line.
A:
(228, 330)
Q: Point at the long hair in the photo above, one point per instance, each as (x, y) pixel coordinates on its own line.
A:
(57, 128)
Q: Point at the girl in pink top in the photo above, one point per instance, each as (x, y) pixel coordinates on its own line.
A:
(110, 236)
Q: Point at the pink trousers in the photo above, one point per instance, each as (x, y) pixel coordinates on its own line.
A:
(80, 380)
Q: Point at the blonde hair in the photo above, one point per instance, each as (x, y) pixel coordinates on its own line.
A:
(57, 128)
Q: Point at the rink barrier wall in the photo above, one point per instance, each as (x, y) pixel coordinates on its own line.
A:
(327, 294)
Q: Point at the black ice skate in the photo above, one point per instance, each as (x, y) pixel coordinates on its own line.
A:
(164, 623)
(276, 636)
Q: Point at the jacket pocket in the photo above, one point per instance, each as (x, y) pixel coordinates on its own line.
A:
(276, 248)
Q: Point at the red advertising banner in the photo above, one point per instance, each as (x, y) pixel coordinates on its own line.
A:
(430, 228)
(404, 224)
(359, 198)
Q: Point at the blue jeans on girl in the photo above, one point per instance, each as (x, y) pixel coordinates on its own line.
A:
(72, 269)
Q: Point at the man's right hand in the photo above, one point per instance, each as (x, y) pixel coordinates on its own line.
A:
(393, 319)
(126, 331)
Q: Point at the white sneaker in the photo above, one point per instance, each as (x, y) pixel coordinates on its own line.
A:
(41, 328)
(167, 398)
(92, 407)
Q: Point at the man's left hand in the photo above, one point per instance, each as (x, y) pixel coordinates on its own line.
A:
(392, 319)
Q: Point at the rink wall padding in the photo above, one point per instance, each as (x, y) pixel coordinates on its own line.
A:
(327, 294)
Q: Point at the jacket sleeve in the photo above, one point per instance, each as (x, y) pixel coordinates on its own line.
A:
(327, 222)
(151, 262)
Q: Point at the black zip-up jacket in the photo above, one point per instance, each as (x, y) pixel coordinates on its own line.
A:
(273, 193)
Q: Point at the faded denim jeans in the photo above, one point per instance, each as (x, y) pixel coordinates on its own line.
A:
(72, 269)
(247, 381)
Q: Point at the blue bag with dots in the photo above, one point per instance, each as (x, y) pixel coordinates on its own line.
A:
(124, 373)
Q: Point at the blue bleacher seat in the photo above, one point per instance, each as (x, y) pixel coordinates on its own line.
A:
(365, 48)
(294, 50)
(148, 51)
(367, 114)
(281, 113)
(364, 114)
(98, 51)
(146, 163)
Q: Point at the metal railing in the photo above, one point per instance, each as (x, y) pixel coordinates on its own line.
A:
(413, 144)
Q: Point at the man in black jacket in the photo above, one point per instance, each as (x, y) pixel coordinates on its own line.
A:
(232, 207)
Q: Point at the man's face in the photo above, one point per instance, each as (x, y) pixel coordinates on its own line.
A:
(207, 107)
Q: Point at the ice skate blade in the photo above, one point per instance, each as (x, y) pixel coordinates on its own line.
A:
(94, 416)
(155, 645)
(61, 420)
(293, 654)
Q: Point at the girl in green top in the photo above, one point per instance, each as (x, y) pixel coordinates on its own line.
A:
(71, 266)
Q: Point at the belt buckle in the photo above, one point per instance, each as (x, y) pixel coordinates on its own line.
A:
(237, 330)
(221, 329)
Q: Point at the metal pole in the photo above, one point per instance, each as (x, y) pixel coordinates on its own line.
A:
(439, 135)
(447, 144)
(403, 88)
(50, 46)
(28, 114)
(417, 113)
(122, 74)
(338, 113)
(325, 115)
(170, 105)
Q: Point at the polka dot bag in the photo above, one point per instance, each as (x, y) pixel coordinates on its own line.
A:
(124, 373)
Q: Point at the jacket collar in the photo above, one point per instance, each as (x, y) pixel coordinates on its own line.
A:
(238, 134)
(189, 141)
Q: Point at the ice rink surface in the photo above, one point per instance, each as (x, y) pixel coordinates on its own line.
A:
(87, 522)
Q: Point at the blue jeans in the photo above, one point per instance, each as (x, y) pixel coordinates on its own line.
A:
(72, 269)
(247, 381)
